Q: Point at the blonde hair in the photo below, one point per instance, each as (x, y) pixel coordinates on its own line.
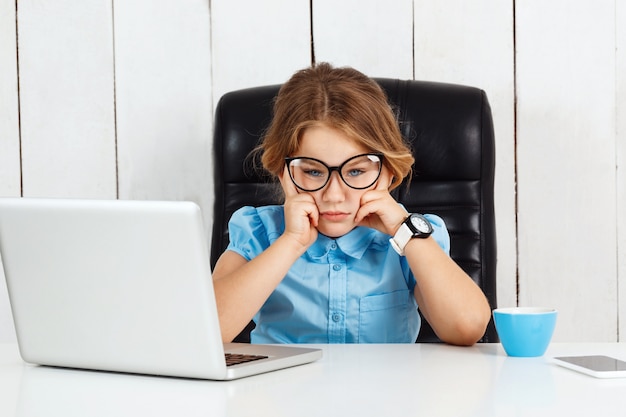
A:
(341, 98)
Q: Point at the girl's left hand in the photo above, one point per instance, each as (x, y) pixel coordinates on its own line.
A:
(379, 210)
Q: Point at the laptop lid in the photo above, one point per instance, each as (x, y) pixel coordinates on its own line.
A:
(119, 286)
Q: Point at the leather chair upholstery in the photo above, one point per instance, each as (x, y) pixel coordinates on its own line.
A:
(450, 129)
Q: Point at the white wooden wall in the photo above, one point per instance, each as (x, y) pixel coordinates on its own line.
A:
(115, 100)
(9, 137)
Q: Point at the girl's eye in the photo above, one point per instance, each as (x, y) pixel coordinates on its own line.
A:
(354, 172)
(313, 173)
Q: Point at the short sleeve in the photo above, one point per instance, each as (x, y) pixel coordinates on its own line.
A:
(247, 233)
(440, 232)
(441, 236)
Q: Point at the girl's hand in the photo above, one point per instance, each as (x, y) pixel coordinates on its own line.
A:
(301, 213)
(379, 210)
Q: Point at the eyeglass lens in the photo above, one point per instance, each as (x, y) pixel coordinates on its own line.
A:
(358, 172)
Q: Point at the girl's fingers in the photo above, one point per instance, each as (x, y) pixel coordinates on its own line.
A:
(384, 181)
(288, 187)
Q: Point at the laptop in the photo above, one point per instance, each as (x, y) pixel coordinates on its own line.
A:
(122, 286)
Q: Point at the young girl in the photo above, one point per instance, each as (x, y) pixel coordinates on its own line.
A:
(341, 261)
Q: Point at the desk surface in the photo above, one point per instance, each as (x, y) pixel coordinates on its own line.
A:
(350, 380)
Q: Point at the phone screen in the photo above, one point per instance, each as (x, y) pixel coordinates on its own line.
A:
(596, 363)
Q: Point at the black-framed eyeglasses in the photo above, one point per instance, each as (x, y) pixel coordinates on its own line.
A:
(359, 172)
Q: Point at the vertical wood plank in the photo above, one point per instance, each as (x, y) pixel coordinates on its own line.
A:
(472, 43)
(372, 36)
(258, 42)
(9, 124)
(9, 139)
(566, 164)
(620, 111)
(163, 97)
(66, 96)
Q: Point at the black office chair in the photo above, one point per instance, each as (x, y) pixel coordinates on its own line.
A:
(450, 129)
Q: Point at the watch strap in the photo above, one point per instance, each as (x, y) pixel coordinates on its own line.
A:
(401, 238)
(408, 231)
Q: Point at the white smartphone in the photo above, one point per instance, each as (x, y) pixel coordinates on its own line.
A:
(598, 366)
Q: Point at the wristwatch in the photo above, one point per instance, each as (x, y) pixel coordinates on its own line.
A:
(414, 226)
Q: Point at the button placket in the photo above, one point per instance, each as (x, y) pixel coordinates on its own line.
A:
(337, 295)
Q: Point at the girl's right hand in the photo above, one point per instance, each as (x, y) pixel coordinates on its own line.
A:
(301, 213)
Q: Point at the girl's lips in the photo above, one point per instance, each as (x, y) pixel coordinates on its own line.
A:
(334, 216)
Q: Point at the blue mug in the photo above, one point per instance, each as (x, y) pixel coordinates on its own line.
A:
(525, 331)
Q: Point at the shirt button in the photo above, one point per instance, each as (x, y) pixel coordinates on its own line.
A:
(333, 246)
(336, 317)
(336, 267)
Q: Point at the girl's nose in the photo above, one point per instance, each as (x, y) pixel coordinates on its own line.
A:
(334, 190)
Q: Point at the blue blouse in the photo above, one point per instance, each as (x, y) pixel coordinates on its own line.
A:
(351, 289)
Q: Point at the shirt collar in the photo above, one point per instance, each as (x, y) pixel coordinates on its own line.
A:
(353, 244)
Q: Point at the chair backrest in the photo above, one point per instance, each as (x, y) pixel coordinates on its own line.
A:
(450, 129)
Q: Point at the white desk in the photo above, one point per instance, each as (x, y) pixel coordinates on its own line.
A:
(351, 380)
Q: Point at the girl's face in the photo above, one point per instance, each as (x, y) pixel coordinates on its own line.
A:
(337, 202)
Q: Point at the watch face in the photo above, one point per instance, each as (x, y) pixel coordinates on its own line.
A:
(420, 224)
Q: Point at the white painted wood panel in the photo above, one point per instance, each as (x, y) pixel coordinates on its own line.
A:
(9, 139)
(471, 43)
(258, 42)
(163, 100)
(66, 96)
(620, 107)
(9, 123)
(566, 164)
(375, 37)
(175, 59)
